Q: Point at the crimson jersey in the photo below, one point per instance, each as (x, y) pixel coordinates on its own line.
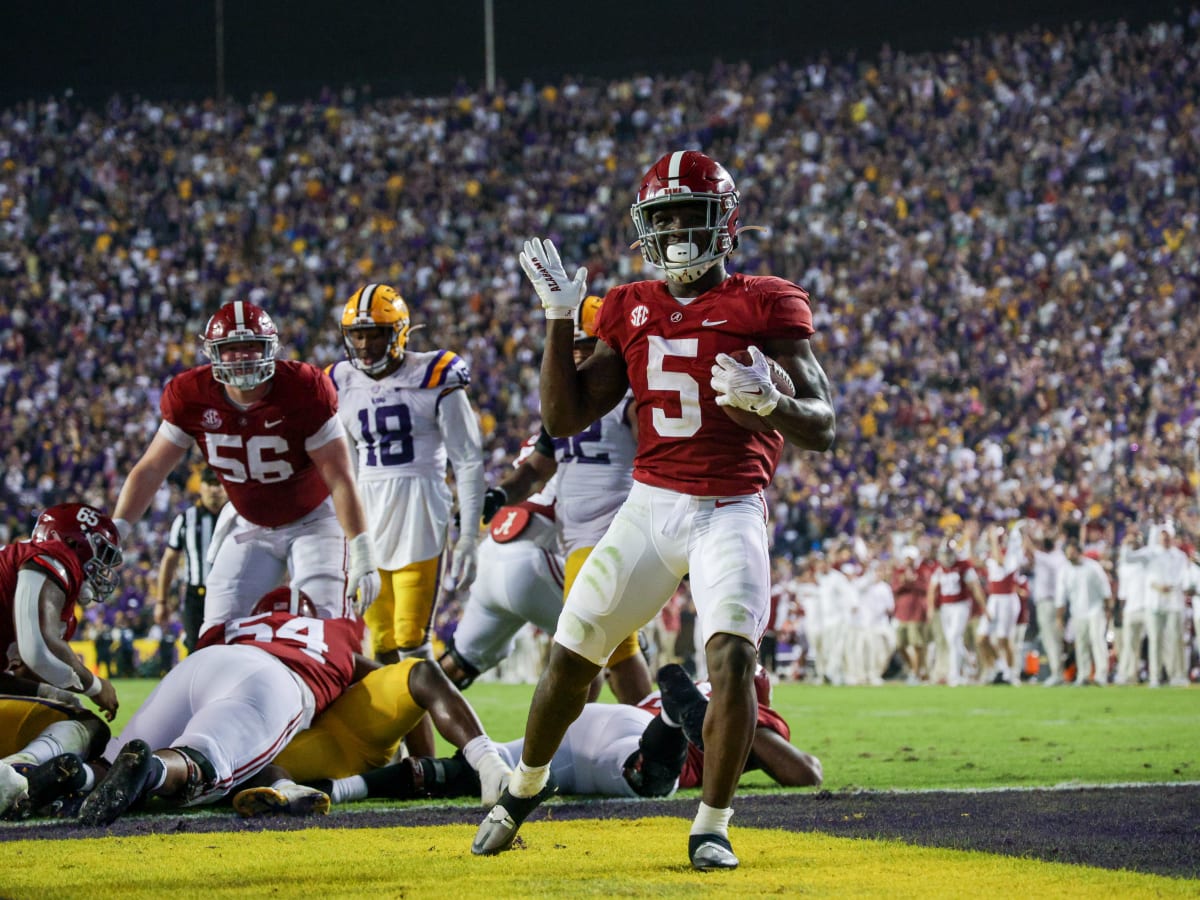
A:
(953, 584)
(320, 651)
(686, 442)
(260, 453)
(999, 579)
(59, 564)
(693, 767)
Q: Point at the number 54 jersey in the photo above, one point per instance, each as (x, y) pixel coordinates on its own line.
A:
(405, 427)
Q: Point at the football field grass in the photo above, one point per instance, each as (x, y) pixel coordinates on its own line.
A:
(891, 738)
(901, 737)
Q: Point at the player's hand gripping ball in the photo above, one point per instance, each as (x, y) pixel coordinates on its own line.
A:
(749, 385)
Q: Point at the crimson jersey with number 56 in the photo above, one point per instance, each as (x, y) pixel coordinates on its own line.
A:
(261, 453)
(685, 442)
(320, 651)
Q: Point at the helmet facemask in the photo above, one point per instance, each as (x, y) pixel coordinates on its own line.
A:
(101, 569)
(685, 254)
(243, 374)
(241, 322)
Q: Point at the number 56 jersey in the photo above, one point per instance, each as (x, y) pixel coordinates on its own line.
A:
(405, 427)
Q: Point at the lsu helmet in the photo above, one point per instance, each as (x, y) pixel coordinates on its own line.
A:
(687, 176)
(585, 318)
(238, 323)
(285, 599)
(376, 306)
(92, 537)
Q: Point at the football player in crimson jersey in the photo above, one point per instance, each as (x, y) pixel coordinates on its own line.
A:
(73, 557)
(1004, 563)
(697, 502)
(595, 471)
(953, 586)
(269, 429)
(222, 714)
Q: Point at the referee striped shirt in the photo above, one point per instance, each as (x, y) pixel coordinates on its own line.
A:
(192, 532)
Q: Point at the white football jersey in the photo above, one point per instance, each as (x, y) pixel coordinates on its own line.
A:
(405, 427)
(595, 469)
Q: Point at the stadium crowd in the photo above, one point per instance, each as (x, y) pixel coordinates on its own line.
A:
(1001, 243)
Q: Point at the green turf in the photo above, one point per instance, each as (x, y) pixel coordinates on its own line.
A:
(900, 737)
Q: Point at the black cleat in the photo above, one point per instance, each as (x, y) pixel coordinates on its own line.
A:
(683, 702)
(55, 780)
(126, 783)
(499, 829)
(711, 851)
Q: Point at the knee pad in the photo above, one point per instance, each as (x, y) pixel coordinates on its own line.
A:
(201, 775)
(470, 673)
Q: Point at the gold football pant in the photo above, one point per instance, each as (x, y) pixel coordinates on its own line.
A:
(401, 616)
(23, 718)
(360, 731)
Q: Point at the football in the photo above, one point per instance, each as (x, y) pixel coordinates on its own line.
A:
(783, 381)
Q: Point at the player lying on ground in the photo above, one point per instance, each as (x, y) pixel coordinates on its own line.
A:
(361, 732)
(254, 683)
(610, 750)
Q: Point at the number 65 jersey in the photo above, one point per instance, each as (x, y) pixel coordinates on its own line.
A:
(405, 427)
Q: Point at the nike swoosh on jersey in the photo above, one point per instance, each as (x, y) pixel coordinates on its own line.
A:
(272, 424)
(707, 324)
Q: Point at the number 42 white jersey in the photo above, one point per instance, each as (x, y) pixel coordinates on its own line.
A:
(405, 427)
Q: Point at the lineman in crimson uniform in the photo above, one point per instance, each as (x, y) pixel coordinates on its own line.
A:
(269, 429)
(595, 472)
(227, 710)
(697, 502)
(407, 413)
(524, 584)
(73, 557)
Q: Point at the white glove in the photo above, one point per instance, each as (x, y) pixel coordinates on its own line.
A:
(362, 577)
(124, 528)
(544, 269)
(464, 565)
(745, 387)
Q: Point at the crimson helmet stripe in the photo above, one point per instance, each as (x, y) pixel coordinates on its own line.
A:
(364, 301)
(673, 168)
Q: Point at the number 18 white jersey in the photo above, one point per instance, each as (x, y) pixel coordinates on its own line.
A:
(405, 427)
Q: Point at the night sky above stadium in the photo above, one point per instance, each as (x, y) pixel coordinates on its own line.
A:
(297, 47)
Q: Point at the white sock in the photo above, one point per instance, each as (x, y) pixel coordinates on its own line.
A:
(348, 789)
(283, 784)
(526, 780)
(160, 778)
(712, 821)
(89, 777)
